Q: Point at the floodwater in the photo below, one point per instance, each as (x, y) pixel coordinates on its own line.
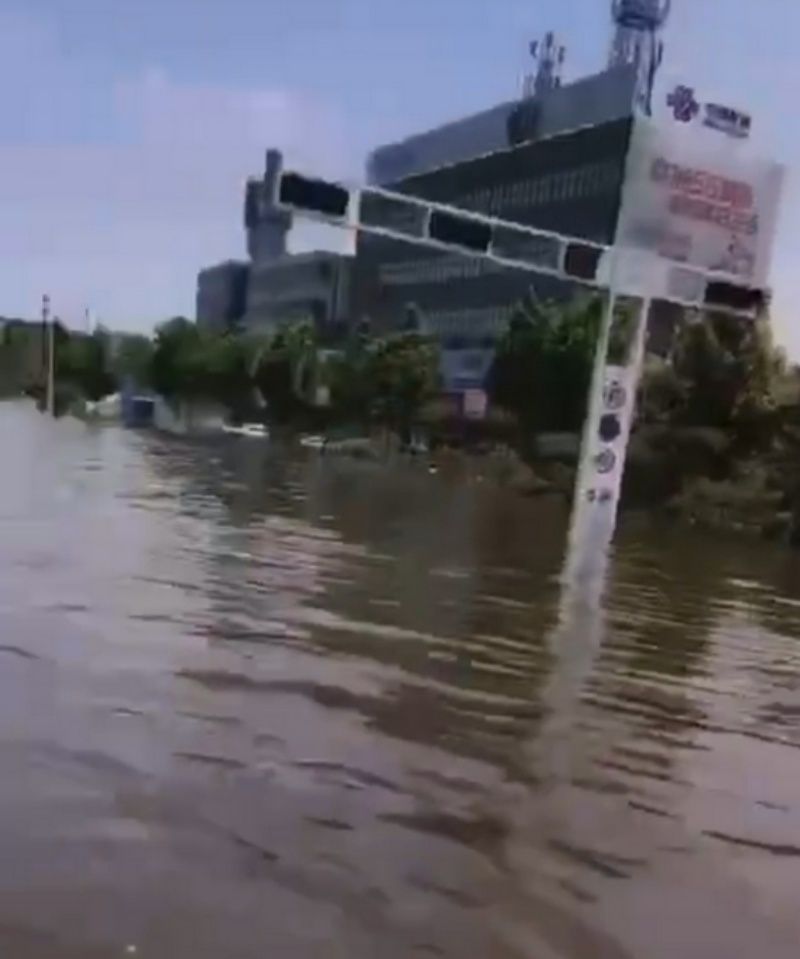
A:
(260, 705)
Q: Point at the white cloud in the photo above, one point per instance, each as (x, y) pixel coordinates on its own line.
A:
(124, 225)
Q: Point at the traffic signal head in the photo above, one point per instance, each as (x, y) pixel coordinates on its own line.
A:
(461, 231)
(742, 298)
(582, 261)
(313, 196)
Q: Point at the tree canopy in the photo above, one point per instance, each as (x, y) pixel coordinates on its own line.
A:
(543, 366)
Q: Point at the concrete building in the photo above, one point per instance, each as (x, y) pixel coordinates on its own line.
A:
(267, 226)
(553, 160)
(587, 102)
(302, 287)
(273, 287)
(287, 288)
(222, 289)
(222, 295)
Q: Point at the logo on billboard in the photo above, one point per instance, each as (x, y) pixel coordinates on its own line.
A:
(683, 104)
(685, 108)
(727, 120)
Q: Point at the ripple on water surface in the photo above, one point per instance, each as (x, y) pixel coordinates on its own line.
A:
(263, 702)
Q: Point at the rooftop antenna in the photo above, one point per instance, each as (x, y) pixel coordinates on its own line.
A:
(636, 43)
(549, 57)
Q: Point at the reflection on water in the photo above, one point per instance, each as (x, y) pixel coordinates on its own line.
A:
(256, 703)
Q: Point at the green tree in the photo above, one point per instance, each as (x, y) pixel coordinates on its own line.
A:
(133, 359)
(172, 345)
(85, 363)
(285, 368)
(350, 380)
(402, 374)
(192, 363)
(543, 366)
(727, 368)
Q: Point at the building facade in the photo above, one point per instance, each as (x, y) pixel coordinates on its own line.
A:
(273, 288)
(304, 287)
(222, 295)
(590, 101)
(266, 225)
(554, 163)
(554, 160)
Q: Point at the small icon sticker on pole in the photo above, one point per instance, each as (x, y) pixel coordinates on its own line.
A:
(605, 461)
(610, 428)
(616, 396)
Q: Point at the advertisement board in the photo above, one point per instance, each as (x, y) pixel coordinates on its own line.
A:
(692, 199)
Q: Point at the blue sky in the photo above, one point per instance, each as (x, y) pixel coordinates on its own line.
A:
(127, 128)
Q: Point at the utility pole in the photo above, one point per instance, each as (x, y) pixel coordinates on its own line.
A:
(49, 338)
(51, 368)
(45, 317)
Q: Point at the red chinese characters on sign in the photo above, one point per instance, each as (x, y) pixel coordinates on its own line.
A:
(707, 197)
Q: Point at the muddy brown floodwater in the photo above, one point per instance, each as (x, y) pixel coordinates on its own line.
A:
(262, 705)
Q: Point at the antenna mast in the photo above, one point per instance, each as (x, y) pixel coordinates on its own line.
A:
(636, 43)
(549, 57)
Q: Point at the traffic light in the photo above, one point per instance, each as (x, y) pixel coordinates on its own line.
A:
(742, 298)
(460, 231)
(518, 244)
(581, 261)
(313, 196)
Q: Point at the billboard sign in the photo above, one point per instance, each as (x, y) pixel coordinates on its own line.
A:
(690, 199)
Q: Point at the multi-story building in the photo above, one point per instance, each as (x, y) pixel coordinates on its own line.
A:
(311, 287)
(555, 160)
(222, 295)
(273, 287)
(266, 225)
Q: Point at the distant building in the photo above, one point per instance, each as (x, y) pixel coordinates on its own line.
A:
(267, 226)
(288, 288)
(222, 295)
(274, 288)
(302, 287)
(222, 289)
